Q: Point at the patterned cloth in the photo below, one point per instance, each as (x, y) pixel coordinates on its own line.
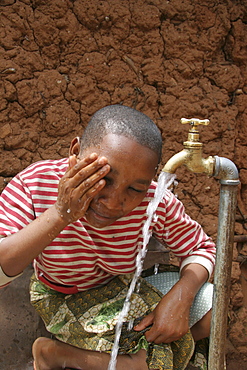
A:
(87, 320)
(199, 360)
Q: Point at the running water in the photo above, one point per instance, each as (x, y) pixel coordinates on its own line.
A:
(164, 181)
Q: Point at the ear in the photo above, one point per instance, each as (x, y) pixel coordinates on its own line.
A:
(75, 147)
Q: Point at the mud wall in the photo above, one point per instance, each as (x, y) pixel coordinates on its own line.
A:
(61, 60)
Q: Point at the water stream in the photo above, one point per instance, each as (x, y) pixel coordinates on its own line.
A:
(164, 181)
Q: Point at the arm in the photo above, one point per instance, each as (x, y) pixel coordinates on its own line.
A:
(187, 240)
(185, 237)
(81, 182)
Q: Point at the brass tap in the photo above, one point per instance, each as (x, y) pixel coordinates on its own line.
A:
(191, 155)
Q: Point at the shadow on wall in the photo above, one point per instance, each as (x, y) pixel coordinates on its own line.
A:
(20, 325)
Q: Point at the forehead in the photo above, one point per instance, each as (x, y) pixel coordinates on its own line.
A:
(123, 151)
(119, 144)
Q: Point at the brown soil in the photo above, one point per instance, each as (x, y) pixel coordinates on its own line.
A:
(61, 60)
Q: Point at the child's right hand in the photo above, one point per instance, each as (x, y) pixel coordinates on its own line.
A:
(81, 182)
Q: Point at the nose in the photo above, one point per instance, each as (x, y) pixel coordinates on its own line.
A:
(112, 199)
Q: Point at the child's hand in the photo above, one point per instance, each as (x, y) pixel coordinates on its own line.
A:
(169, 320)
(81, 182)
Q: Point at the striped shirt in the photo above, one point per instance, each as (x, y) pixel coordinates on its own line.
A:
(82, 256)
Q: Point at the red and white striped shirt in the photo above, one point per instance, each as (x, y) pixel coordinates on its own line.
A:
(82, 256)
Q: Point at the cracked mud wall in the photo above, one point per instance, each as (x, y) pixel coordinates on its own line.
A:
(61, 60)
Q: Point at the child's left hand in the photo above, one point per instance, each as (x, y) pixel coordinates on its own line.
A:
(169, 320)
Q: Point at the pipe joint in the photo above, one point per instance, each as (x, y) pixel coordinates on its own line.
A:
(226, 171)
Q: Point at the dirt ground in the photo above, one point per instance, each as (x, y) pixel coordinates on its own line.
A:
(61, 60)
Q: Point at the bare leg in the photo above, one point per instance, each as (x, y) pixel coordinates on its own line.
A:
(202, 328)
(54, 355)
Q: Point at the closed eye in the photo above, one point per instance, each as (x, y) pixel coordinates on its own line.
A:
(137, 190)
(110, 181)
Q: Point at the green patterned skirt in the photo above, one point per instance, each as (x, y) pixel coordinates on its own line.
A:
(87, 320)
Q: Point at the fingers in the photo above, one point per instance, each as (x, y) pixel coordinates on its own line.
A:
(83, 185)
(79, 170)
(81, 182)
(83, 195)
(159, 333)
(85, 173)
(164, 334)
(145, 322)
(153, 334)
(72, 162)
(157, 337)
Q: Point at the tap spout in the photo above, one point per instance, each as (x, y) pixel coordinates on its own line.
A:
(192, 158)
(176, 161)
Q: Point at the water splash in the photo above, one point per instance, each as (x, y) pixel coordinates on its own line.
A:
(156, 268)
(164, 181)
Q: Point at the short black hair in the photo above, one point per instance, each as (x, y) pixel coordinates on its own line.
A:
(122, 120)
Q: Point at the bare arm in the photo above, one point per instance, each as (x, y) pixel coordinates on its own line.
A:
(81, 182)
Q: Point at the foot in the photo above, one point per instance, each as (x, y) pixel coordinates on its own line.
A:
(54, 355)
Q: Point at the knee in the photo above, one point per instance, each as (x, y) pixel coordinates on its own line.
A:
(202, 328)
(40, 349)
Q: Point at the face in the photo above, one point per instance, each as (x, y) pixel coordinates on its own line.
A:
(133, 167)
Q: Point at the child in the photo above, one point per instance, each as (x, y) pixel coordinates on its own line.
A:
(80, 220)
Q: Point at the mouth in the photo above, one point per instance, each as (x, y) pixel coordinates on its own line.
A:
(102, 217)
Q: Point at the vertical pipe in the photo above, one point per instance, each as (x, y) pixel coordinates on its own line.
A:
(222, 279)
(225, 170)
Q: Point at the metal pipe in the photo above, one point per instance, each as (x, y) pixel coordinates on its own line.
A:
(227, 172)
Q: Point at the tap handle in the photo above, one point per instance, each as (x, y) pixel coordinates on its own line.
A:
(194, 122)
